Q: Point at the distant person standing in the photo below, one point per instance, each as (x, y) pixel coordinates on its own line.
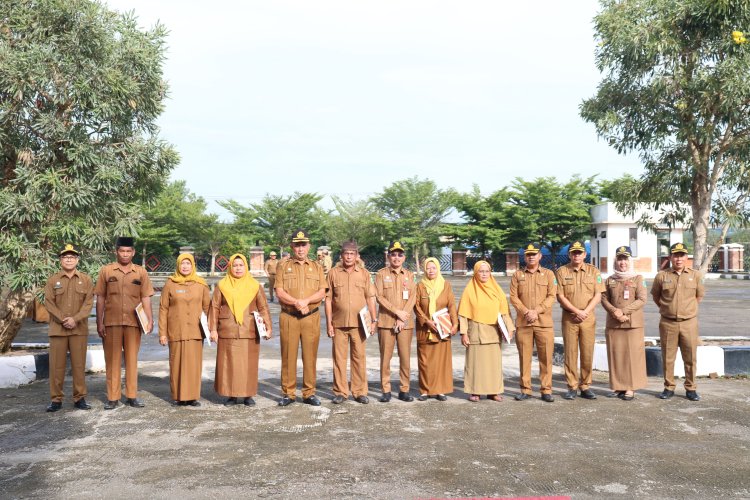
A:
(579, 289)
(678, 291)
(327, 262)
(532, 293)
(68, 298)
(349, 290)
(395, 289)
(121, 286)
(270, 268)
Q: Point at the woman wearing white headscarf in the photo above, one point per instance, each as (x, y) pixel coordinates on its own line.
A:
(433, 353)
(623, 299)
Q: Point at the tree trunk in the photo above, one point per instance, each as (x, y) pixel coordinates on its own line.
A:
(12, 312)
(213, 263)
(416, 260)
(701, 206)
(143, 256)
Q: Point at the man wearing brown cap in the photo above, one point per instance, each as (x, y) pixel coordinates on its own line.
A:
(579, 289)
(300, 287)
(120, 288)
(270, 269)
(532, 293)
(395, 289)
(677, 292)
(68, 298)
(349, 290)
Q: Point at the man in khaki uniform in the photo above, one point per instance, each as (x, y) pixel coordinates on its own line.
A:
(270, 269)
(395, 289)
(579, 289)
(349, 290)
(300, 288)
(121, 286)
(677, 292)
(532, 293)
(68, 297)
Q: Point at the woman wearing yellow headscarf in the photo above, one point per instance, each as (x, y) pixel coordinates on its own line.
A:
(433, 354)
(232, 326)
(481, 302)
(184, 297)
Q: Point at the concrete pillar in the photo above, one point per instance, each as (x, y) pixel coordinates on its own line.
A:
(731, 257)
(512, 260)
(256, 261)
(458, 259)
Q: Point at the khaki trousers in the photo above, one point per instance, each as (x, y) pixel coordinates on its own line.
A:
(682, 334)
(271, 282)
(344, 341)
(387, 340)
(293, 332)
(544, 338)
(119, 340)
(577, 335)
(59, 347)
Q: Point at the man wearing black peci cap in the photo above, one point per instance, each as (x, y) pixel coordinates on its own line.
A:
(68, 298)
(121, 286)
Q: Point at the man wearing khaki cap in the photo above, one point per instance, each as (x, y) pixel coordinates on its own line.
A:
(68, 298)
(270, 269)
(678, 291)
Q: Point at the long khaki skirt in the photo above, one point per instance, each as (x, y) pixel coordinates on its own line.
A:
(626, 355)
(435, 367)
(237, 367)
(483, 372)
(185, 367)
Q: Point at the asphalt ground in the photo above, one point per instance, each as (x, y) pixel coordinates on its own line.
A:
(584, 449)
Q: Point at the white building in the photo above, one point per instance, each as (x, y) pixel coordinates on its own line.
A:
(614, 229)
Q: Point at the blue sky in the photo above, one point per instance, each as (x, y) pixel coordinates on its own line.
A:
(346, 97)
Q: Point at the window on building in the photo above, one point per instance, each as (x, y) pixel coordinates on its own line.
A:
(634, 241)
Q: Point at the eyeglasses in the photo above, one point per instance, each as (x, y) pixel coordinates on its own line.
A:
(69, 256)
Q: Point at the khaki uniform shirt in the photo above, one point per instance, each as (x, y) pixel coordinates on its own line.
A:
(221, 319)
(300, 279)
(180, 310)
(68, 297)
(632, 306)
(678, 293)
(579, 287)
(533, 290)
(270, 266)
(348, 292)
(390, 287)
(122, 292)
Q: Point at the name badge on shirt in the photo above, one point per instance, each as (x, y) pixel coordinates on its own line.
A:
(405, 295)
(626, 294)
(58, 285)
(180, 291)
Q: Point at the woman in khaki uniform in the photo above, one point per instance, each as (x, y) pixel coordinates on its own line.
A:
(623, 299)
(481, 303)
(184, 297)
(434, 354)
(232, 324)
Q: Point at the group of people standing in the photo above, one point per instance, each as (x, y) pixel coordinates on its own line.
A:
(236, 315)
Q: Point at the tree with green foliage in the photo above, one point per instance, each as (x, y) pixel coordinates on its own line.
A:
(81, 88)
(415, 211)
(488, 220)
(356, 220)
(676, 90)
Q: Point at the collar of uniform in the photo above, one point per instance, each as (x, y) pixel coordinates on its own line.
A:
(304, 261)
(61, 273)
(537, 270)
(130, 268)
(401, 270)
(684, 270)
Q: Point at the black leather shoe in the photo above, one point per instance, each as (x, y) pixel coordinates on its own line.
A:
(615, 394)
(337, 400)
(285, 401)
(625, 397)
(230, 402)
(423, 397)
(588, 394)
(385, 397)
(441, 397)
(571, 394)
(312, 400)
(692, 395)
(134, 402)
(522, 397)
(547, 398)
(666, 394)
(405, 396)
(192, 403)
(362, 399)
(81, 404)
(111, 405)
(54, 406)
(249, 402)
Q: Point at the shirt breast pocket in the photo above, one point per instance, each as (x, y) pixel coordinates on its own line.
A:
(113, 287)
(312, 282)
(290, 282)
(387, 285)
(588, 284)
(225, 312)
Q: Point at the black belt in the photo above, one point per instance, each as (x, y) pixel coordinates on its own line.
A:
(678, 320)
(298, 314)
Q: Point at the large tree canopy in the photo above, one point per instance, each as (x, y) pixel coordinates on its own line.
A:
(676, 88)
(80, 90)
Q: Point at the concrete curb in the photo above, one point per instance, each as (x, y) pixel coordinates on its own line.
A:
(735, 276)
(25, 369)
